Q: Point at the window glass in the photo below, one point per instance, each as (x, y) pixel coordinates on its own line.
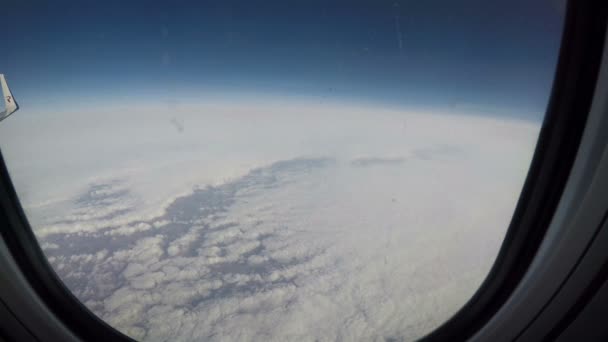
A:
(276, 170)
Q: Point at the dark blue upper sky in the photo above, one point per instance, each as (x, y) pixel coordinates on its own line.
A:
(499, 55)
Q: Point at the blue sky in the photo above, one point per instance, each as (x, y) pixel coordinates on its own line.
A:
(499, 55)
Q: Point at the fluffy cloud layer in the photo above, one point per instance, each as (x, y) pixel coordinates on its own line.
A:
(359, 226)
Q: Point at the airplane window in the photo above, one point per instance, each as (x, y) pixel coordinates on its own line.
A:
(274, 170)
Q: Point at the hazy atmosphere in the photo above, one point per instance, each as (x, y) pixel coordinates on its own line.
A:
(277, 170)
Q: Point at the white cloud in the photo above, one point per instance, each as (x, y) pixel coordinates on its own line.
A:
(147, 280)
(147, 250)
(49, 245)
(387, 241)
